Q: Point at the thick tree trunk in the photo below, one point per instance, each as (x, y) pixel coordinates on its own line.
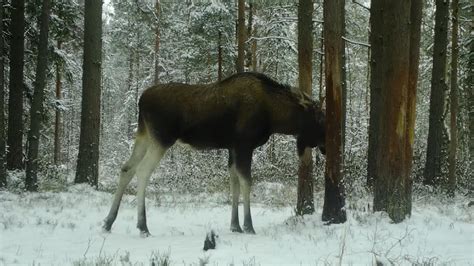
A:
(57, 124)
(241, 36)
(342, 52)
(15, 100)
(36, 110)
(305, 203)
(454, 99)
(415, 36)
(3, 155)
(376, 64)
(334, 199)
(393, 183)
(157, 42)
(432, 172)
(88, 158)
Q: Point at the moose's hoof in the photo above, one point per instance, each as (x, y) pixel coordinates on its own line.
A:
(106, 227)
(236, 229)
(249, 230)
(144, 234)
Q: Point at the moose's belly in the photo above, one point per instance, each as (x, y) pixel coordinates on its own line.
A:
(208, 137)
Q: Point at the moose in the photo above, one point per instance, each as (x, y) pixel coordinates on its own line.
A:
(238, 114)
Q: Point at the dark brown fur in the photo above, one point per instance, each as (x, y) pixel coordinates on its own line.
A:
(243, 110)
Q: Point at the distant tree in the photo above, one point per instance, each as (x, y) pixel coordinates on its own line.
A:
(252, 55)
(334, 198)
(157, 41)
(3, 157)
(240, 35)
(470, 91)
(36, 110)
(397, 25)
(15, 100)
(305, 201)
(88, 158)
(453, 97)
(219, 55)
(57, 122)
(434, 157)
(65, 24)
(250, 22)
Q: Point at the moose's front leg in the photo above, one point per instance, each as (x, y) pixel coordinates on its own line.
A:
(235, 190)
(245, 184)
(243, 167)
(144, 171)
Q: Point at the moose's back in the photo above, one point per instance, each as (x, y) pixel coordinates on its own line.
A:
(218, 115)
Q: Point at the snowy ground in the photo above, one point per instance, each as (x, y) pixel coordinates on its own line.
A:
(65, 228)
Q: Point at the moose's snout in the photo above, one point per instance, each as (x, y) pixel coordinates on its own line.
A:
(322, 148)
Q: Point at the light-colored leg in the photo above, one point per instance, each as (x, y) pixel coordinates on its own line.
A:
(243, 163)
(245, 184)
(126, 174)
(235, 189)
(145, 169)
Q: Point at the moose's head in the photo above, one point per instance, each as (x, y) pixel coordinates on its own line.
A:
(312, 128)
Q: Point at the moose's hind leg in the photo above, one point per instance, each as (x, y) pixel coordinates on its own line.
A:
(152, 157)
(126, 174)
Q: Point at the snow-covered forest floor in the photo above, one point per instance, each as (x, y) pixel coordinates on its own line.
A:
(64, 228)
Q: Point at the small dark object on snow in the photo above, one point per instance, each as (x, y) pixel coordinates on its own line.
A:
(210, 242)
(471, 203)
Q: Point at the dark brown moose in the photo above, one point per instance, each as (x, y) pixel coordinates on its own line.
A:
(238, 114)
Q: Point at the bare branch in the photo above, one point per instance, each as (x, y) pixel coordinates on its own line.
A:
(361, 5)
(270, 37)
(356, 42)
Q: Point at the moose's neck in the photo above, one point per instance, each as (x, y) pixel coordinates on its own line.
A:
(286, 118)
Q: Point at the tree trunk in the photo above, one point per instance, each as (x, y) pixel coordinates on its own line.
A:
(470, 95)
(88, 158)
(137, 87)
(416, 15)
(305, 202)
(157, 42)
(321, 67)
(393, 184)
(253, 49)
(36, 110)
(432, 172)
(376, 64)
(249, 34)
(219, 56)
(241, 36)
(3, 157)
(15, 100)
(57, 124)
(342, 55)
(454, 99)
(334, 198)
